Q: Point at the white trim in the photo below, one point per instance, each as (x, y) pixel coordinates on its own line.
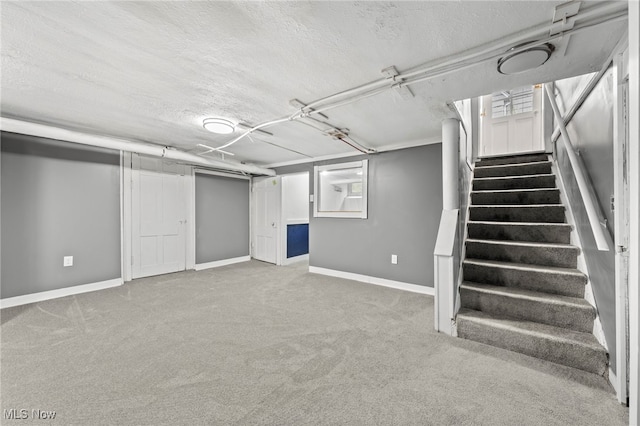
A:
(224, 262)
(251, 217)
(55, 294)
(190, 229)
(295, 259)
(127, 219)
(414, 288)
(362, 214)
(634, 201)
(621, 216)
(213, 173)
(615, 384)
(122, 250)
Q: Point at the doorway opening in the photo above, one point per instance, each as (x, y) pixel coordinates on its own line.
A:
(280, 218)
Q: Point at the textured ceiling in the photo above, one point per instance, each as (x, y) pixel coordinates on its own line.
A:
(152, 71)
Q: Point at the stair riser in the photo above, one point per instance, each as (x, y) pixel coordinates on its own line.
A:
(564, 257)
(515, 183)
(508, 170)
(547, 282)
(551, 196)
(536, 233)
(546, 214)
(571, 355)
(512, 160)
(573, 317)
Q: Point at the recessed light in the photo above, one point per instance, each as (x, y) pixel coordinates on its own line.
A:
(524, 60)
(218, 125)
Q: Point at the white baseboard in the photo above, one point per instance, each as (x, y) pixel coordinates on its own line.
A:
(224, 262)
(414, 288)
(613, 381)
(55, 294)
(295, 259)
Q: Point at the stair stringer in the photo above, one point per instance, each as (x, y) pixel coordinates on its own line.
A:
(463, 251)
(598, 332)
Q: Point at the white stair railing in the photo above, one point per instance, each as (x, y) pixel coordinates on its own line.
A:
(583, 185)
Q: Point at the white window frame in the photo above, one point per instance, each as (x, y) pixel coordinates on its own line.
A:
(364, 164)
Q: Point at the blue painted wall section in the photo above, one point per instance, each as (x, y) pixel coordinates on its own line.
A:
(297, 240)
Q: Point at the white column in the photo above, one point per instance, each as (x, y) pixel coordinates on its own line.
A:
(444, 261)
(450, 159)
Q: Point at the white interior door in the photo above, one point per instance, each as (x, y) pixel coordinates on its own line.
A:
(511, 122)
(159, 213)
(265, 219)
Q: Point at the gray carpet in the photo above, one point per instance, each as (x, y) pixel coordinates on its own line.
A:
(258, 344)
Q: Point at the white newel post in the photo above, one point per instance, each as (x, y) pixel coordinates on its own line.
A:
(444, 262)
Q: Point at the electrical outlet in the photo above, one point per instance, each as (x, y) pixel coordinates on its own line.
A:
(67, 261)
(394, 259)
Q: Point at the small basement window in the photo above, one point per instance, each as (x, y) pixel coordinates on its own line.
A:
(512, 102)
(341, 190)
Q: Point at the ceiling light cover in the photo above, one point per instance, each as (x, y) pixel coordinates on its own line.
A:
(219, 125)
(524, 60)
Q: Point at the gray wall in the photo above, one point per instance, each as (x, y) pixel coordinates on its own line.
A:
(405, 202)
(58, 199)
(222, 218)
(591, 132)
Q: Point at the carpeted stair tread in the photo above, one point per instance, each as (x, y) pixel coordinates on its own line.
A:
(542, 330)
(550, 254)
(552, 309)
(527, 267)
(554, 299)
(516, 196)
(539, 213)
(520, 231)
(511, 159)
(554, 344)
(517, 169)
(546, 279)
(545, 180)
(524, 243)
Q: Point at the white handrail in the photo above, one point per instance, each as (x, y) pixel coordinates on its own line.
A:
(583, 186)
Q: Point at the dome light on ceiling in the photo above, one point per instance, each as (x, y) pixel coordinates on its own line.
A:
(524, 60)
(219, 125)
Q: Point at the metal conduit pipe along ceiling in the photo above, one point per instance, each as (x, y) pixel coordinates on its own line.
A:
(44, 131)
(428, 71)
(498, 45)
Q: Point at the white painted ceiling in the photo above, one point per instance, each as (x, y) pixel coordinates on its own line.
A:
(152, 71)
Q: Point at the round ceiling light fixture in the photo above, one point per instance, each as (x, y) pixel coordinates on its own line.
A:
(219, 125)
(524, 60)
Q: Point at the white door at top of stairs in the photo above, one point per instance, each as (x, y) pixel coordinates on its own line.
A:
(511, 122)
(266, 193)
(158, 214)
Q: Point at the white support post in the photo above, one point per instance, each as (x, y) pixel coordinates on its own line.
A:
(444, 267)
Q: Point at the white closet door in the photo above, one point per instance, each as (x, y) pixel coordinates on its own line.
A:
(159, 199)
(266, 218)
